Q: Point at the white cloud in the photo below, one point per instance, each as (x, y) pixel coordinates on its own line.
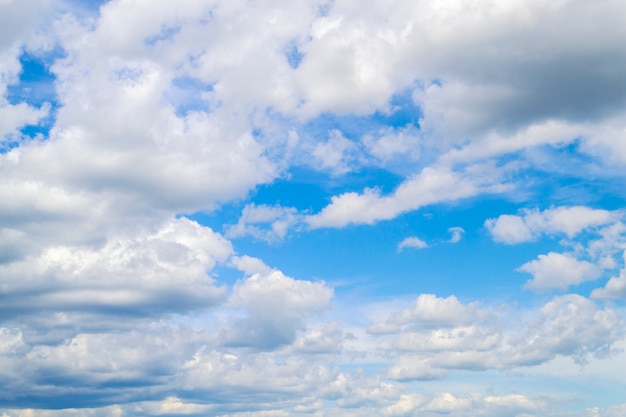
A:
(390, 144)
(337, 155)
(276, 307)
(457, 234)
(412, 242)
(105, 294)
(432, 185)
(254, 217)
(470, 339)
(152, 273)
(512, 229)
(558, 270)
(614, 288)
(326, 340)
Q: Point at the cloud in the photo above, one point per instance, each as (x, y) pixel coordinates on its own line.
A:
(336, 155)
(254, 217)
(113, 303)
(457, 234)
(165, 271)
(615, 288)
(391, 144)
(512, 229)
(412, 242)
(465, 337)
(429, 310)
(446, 403)
(276, 306)
(326, 340)
(432, 185)
(558, 270)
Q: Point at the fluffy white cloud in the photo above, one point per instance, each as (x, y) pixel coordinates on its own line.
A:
(432, 185)
(558, 270)
(470, 339)
(570, 221)
(169, 108)
(430, 310)
(337, 154)
(276, 306)
(152, 273)
(614, 288)
(457, 234)
(254, 217)
(390, 144)
(412, 242)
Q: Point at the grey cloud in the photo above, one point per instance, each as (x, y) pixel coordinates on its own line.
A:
(150, 274)
(276, 307)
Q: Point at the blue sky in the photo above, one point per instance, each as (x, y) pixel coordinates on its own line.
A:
(273, 208)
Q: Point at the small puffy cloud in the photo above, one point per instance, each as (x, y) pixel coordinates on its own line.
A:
(326, 340)
(412, 242)
(432, 310)
(250, 265)
(615, 288)
(558, 270)
(512, 229)
(337, 155)
(457, 234)
(254, 218)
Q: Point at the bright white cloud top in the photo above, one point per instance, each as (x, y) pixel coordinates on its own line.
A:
(312, 208)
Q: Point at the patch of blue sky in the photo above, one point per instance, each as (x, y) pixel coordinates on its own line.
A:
(365, 261)
(308, 189)
(36, 88)
(84, 8)
(36, 81)
(293, 54)
(186, 94)
(574, 185)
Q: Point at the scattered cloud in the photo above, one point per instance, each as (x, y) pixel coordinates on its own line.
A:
(457, 234)
(558, 270)
(570, 221)
(412, 242)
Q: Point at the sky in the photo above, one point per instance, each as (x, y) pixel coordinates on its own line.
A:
(273, 208)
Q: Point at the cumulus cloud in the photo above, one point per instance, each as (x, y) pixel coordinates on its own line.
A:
(615, 288)
(337, 154)
(254, 217)
(457, 234)
(432, 185)
(558, 270)
(114, 304)
(276, 306)
(430, 310)
(160, 272)
(470, 339)
(570, 221)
